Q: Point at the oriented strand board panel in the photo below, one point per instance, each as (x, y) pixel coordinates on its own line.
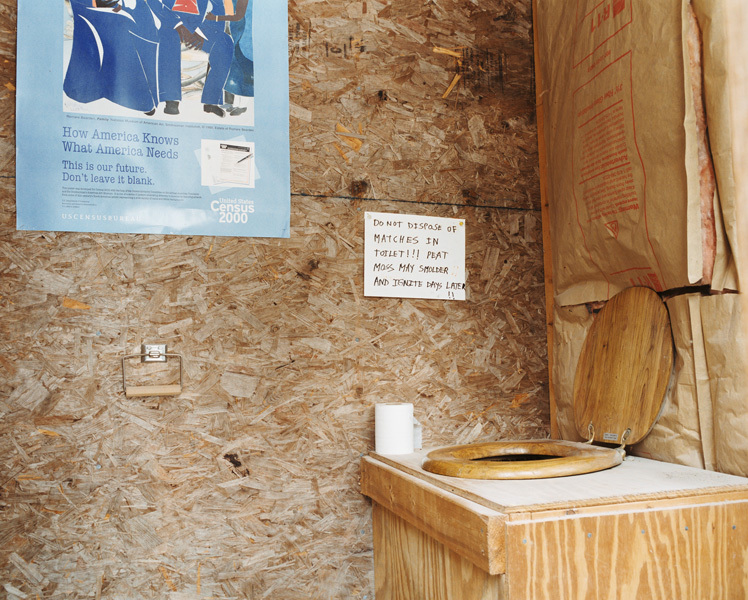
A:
(414, 101)
(246, 484)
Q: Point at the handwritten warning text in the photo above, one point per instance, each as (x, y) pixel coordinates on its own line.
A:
(414, 256)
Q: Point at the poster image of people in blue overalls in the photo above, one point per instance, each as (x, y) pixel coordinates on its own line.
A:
(183, 60)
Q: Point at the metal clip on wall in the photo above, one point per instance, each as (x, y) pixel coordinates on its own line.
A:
(151, 353)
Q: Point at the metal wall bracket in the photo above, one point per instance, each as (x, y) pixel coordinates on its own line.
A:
(153, 355)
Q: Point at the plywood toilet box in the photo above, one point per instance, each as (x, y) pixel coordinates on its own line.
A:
(621, 380)
(643, 529)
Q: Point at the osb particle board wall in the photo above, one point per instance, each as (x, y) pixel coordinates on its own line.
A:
(246, 485)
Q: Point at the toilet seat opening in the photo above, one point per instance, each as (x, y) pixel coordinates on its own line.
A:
(518, 457)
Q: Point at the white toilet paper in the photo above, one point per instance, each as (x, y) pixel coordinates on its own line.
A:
(395, 428)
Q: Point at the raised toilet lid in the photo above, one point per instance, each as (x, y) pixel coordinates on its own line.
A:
(621, 379)
(624, 368)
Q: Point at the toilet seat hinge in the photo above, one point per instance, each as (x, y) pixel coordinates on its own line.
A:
(591, 432)
(624, 438)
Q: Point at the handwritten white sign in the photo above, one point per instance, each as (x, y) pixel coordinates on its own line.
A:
(414, 256)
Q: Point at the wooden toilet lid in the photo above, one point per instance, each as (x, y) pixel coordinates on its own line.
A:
(624, 368)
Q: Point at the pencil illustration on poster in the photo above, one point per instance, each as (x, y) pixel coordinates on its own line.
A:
(182, 60)
(160, 116)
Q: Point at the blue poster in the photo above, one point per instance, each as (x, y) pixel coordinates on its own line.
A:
(153, 116)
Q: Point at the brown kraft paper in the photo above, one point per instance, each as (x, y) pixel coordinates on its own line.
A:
(623, 170)
(726, 349)
(712, 18)
(679, 435)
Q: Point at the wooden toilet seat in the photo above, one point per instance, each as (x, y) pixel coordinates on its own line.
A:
(622, 376)
(530, 459)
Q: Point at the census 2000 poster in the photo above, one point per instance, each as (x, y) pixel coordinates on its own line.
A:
(153, 116)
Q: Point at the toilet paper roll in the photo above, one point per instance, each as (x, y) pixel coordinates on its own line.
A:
(417, 434)
(394, 428)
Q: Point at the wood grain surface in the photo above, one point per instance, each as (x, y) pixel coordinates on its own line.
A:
(409, 565)
(624, 368)
(653, 531)
(519, 459)
(687, 552)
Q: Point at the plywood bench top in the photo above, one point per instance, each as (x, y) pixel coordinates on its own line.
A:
(635, 480)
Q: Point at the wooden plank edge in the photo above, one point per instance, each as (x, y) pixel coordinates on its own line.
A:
(471, 530)
(667, 501)
(142, 391)
(545, 218)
